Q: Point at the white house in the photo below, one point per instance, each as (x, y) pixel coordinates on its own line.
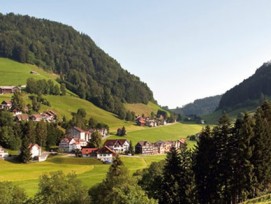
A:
(76, 132)
(105, 154)
(69, 144)
(35, 150)
(3, 153)
(118, 146)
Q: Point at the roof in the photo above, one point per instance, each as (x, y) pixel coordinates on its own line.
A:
(6, 102)
(106, 150)
(113, 142)
(33, 145)
(22, 117)
(7, 87)
(80, 130)
(142, 143)
(182, 140)
(37, 116)
(88, 150)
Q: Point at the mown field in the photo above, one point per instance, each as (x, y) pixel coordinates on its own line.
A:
(89, 171)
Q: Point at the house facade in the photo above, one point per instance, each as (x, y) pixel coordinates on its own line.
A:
(6, 105)
(35, 150)
(118, 146)
(3, 153)
(105, 154)
(70, 144)
(76, 132)
(145, 147)
(9, 89)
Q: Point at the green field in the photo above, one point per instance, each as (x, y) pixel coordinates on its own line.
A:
(89, 171)
(164, 133)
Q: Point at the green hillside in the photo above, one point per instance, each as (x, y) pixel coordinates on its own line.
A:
(140, 108)
(14, 73)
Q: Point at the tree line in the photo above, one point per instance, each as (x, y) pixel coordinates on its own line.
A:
(83, 67)
(231, 163)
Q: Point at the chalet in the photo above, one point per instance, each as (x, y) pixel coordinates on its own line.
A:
(36, 117)
(49, 116)
(78, 133)
(140, 121)
(118, 146)
(151, 123)
(3, 153)
(6, 105)
(35, 150)
(89, 152)
(9, 89)
(106, 154)
(70, 144)
(145, 147)
(22, 117)
(16, 112)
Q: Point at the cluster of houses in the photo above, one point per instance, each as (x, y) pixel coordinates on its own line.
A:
(48, 116)
(159, 147)
(146, 121)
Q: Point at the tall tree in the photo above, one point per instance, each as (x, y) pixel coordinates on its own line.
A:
(18, 102)
(95, 140)
(41, 133)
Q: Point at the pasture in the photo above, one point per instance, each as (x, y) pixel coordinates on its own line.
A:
(90, 171)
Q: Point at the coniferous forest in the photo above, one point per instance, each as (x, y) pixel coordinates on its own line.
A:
(83, 67)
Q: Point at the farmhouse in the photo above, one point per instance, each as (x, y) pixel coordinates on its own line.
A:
(6, 105)
(35, 150)
(145, 147)
(36, 117)
(3, 153)
(105, 154)
(70, 144)
(76, 132)
(118, 146)
(9, 89)
(22, 117)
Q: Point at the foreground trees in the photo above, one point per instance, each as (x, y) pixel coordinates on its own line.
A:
(118, 187)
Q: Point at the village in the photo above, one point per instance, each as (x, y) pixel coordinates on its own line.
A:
(75, 140)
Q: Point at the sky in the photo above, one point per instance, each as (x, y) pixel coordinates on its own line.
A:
(184, 50)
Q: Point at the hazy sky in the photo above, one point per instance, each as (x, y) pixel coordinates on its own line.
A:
(184, 50)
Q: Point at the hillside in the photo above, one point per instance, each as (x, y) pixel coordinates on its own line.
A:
(200, 106)
(85, 68)
(14, 73)
(140, 108)
(250, 92)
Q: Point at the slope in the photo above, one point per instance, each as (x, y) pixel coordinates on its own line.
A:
(14, 73)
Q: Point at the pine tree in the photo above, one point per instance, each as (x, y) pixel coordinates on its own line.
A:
(204, 162)
(25, 155)
(242, 170)
(41, 133)
(171, 179)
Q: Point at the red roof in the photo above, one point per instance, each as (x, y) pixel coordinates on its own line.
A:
(88, 150)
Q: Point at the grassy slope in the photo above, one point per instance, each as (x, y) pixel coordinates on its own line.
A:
(168, 132)
(140, 108)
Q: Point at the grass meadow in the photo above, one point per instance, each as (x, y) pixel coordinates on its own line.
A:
(165, 133)
(90, 171)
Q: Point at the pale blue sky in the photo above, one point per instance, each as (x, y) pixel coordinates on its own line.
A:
(184, 50)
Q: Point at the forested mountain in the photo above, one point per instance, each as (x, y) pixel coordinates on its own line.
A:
(85, 68)
(200, 106)
(251, 92)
